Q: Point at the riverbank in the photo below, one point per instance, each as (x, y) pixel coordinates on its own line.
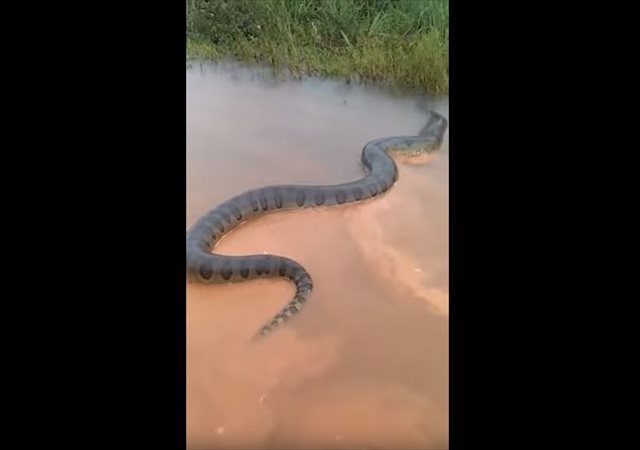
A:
(396, 42)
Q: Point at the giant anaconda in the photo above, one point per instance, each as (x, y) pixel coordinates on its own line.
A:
(204, 266)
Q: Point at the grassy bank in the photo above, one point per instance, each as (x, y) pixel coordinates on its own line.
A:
(398, 42)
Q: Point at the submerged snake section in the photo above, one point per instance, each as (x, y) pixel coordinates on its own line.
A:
(205, 266)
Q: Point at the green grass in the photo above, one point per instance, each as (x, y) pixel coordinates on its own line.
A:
(398, 42)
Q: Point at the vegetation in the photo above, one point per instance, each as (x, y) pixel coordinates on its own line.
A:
(398, 42)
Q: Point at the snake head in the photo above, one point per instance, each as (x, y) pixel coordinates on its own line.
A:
(435, 128)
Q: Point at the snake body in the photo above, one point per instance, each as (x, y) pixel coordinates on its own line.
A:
(204, 266)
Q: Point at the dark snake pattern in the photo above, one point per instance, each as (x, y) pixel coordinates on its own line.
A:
(204, 266)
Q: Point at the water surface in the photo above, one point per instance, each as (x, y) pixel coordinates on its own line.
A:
(365, 363)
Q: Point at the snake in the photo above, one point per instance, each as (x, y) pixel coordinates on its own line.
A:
(381, 174)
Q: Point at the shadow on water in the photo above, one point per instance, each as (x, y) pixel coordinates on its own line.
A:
(365, 364)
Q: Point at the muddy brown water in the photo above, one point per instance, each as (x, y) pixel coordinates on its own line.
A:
(365, 363)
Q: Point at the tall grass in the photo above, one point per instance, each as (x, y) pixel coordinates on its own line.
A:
(399, 42)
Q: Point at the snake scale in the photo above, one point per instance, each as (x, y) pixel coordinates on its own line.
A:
(204, 266)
